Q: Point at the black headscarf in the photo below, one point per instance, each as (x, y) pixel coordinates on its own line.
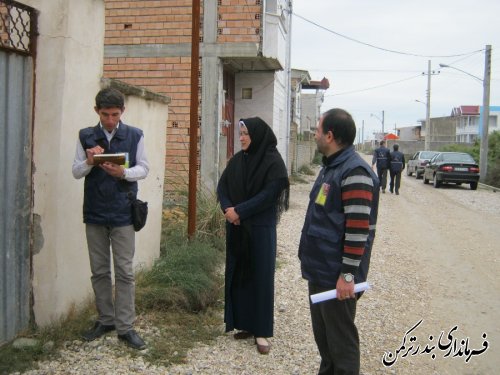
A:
(249, 171)
(246, 174)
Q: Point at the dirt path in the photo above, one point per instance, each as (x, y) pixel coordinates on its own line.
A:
(449, 239)
(435, 266)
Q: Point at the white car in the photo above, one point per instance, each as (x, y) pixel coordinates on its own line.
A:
(418, 162)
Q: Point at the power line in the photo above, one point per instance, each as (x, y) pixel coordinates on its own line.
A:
(381, 48)
(362, 71)
(374, 87)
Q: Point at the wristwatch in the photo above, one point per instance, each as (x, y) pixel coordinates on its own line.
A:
(348, 277)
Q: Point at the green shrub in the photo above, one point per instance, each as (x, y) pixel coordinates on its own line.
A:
(185, 276)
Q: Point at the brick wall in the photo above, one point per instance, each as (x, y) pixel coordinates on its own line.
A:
(168, 22)
(148, 22)
(156, 22)
(239, 21)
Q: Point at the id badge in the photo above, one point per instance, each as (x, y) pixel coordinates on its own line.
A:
(322, 194)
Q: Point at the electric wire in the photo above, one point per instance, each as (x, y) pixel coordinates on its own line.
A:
(377, 47)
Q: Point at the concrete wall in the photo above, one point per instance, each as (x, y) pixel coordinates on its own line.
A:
(69, 67)
(268, 102)
(280, 116)
(68, 70)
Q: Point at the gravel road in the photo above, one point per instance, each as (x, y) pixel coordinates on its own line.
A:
(435, 260)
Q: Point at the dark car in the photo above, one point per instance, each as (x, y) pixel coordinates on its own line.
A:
(417, 163)
(454, 167)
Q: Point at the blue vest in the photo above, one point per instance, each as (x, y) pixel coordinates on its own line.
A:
(105, 199)
(322, 240)
(382, 155)
(397, 161)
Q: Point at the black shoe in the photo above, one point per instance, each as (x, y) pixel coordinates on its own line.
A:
(397, 192)
(132, 339)
(97, 331)
(390, 191)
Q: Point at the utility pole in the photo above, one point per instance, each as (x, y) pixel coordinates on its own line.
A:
(363, 132)
(193, 118)
(483, 151)
(428, 110)
(383, 133)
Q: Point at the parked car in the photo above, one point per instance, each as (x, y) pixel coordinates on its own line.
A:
(417, 163)
(454, 167)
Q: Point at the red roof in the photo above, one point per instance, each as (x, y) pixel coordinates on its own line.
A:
(391, 136)
(466, 110)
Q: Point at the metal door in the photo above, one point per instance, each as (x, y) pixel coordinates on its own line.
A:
(17, 30)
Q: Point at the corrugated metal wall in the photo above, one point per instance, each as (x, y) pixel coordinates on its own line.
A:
(16, 75)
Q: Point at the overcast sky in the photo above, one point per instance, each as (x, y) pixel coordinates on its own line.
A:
(365, 80)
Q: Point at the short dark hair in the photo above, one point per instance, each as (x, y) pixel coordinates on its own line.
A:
(382, 142)
(341, 124)
(395, 146)
(110, 98)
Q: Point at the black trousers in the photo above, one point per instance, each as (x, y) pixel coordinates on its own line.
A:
(395, 181)
(335, 334)
(382, 176)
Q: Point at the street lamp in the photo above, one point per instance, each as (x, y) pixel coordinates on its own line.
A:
(483, 150)
(381, 120)
(460, 70)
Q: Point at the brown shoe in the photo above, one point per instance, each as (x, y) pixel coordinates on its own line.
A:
(263, 349)
(242, 335)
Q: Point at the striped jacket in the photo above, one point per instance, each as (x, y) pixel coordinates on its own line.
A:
(339, 226)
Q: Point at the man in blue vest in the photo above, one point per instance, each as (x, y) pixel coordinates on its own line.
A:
(107, 214)
(397, 166)
(381, 157)
(337, 239)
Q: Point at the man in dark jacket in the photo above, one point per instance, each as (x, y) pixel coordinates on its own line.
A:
(381, 157)
(107, 214)
(336, 241)
(397, 166)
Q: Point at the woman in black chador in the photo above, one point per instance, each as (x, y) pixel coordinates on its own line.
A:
(253, 192)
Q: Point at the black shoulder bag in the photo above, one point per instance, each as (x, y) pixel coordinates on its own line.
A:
(139, 210)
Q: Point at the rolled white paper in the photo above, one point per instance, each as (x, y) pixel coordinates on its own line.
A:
(331, 294)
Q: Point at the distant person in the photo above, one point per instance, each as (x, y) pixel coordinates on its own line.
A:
(381, 157)
(253, 191)
(397, 166)
(107, 214)
(336, 241)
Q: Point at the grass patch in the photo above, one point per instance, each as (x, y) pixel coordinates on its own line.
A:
(185, 276)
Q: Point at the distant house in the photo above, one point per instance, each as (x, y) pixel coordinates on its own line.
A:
(410, 133)
(312, 99)
(468, 121)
